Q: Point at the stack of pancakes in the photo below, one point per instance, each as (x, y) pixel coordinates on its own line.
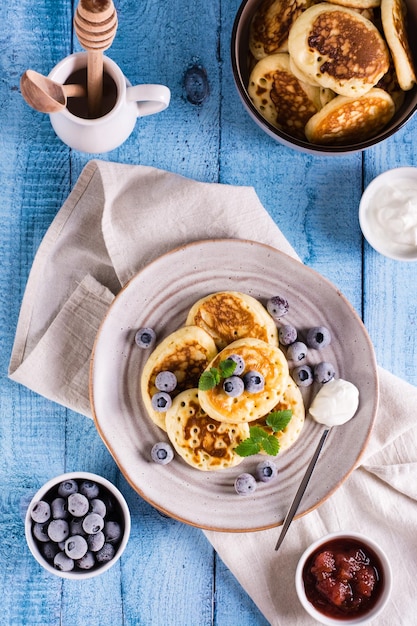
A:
(332, 72)
(205, 427)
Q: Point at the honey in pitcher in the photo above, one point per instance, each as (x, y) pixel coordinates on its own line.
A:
(79, 106)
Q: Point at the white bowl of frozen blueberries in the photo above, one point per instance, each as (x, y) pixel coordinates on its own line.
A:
(77, 525)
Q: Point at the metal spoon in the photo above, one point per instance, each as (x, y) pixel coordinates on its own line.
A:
(44, 94)
(301, 489)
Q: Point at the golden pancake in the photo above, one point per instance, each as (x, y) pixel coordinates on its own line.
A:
(280, 97)
(393, 15)
(338, 48)
(271, 24)
(357, 4)
(230, 315)
(260, 356)
(349, 120)
(203, 443)
(185, 352)
(291, 399)
(389, 83)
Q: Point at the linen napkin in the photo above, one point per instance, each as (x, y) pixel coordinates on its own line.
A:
(116, 220)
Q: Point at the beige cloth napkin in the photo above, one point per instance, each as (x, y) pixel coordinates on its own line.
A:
(116, 220)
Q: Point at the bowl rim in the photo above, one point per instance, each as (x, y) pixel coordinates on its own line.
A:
(79, 574)
(383, 599)
(368, 193)
(283, 137)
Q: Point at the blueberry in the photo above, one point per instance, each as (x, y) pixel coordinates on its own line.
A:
(76, 547)
(266, 471)
(161, 401)
(86, 562)
(67, 487)
(76, 526)
(58, 508)
(145, 338)
(40, 532)
(89, 489)
(41, 511)
(112, 531)
(166, 381)
(77, 504)
(277, 306)
(96, 542)
(318, 337)
(324, 372)
(287, 334)
(93, 523)
(297, 351)
(162, 453)
(63, 562)
(98, 506)
(303, 375)
(49, 550)
(58, 530)
(240, 363)
(106, 553)
(233, 386)
(254, 381)
(245, 484)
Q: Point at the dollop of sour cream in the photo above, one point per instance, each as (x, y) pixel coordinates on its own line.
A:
(394, 211)
(335, 403)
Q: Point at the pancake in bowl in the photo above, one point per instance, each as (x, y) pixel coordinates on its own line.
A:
(260, 356)
(357, 4)
(350, 120)
(393, 15)
(280, 97)
(293, 400)
(338, 48)
(271, 24)
(185, 352)
(203, 443)
(230, 315)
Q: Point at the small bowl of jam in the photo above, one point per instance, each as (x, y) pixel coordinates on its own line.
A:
(343, 577)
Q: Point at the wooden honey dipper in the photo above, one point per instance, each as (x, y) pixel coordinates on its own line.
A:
(95, 23)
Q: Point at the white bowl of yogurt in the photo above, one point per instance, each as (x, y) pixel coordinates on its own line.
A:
(388, 214)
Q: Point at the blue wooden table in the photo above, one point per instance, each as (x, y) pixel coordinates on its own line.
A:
(169, 574)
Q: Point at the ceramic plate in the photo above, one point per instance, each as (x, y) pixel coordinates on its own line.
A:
(160, 297)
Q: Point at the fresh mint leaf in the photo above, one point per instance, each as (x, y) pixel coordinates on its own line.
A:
(248, 447)
(227, 367)
(271, 445)
(257, 433)
(209, 379)
(278, 420)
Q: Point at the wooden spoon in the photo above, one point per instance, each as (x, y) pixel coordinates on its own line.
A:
(95, 24)
(44, 94)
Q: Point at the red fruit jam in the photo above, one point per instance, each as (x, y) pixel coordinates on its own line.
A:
(343, 578)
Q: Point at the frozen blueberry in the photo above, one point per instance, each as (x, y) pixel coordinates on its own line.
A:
(41, 511)
(89, 489)
(323, 372)
(318, 337)
(76, 547)
(287, 334)
(266, 471)
(297, 351)
(166, 381)
(95, 542)
(233, 386)
(106, 553)
(40, 532)
(93, 523)
(76, 526)
(245, 484)
(145, 338)
(240, 363)
(161, 401)
(254, 381)
(162, 453)
(112, 531)
(98, 506)
(58, 530)
(303, 375)
(67, 487)
(49, 550)
(86, 562)
(63, 562)
(77, 504)
(277, 306)
(58, 508)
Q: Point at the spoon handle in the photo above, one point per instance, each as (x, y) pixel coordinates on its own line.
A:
(301, 489)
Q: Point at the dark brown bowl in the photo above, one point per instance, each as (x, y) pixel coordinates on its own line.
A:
(240, 65)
